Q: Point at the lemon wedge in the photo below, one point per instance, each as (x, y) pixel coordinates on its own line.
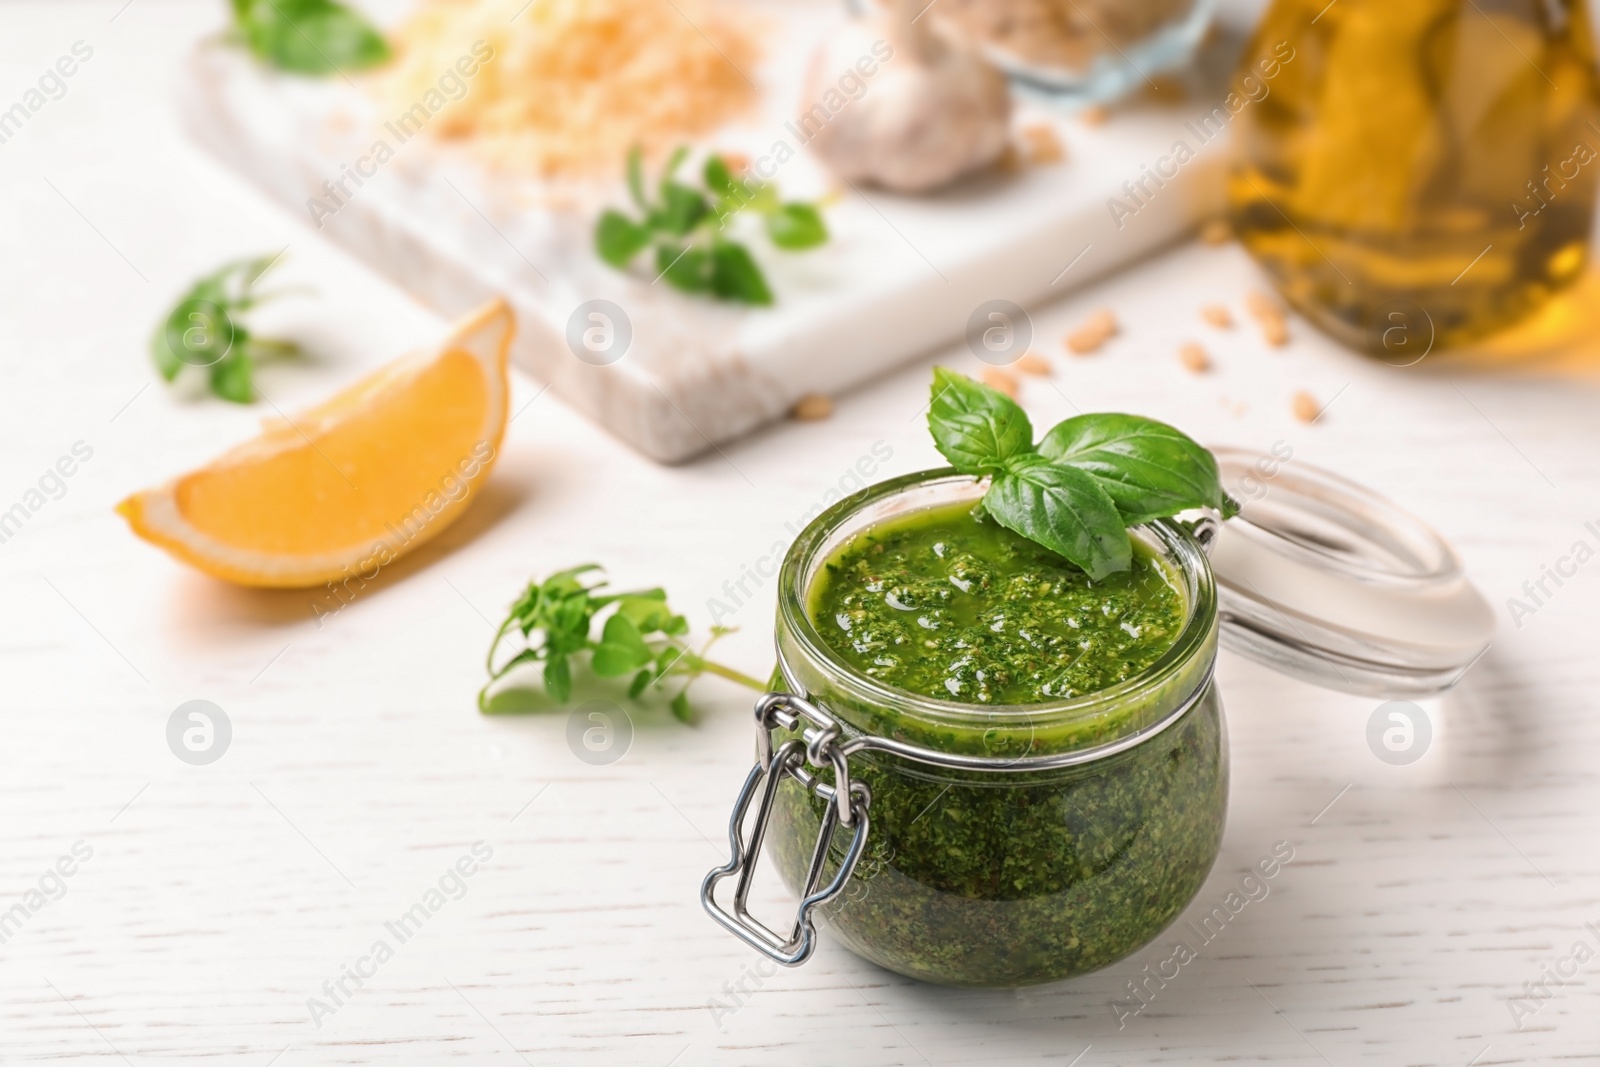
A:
(355, 482)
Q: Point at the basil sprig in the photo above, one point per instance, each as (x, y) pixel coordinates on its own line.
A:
(308, 36)
(686, 227)
(205, 330)
(641, 637)
(1078, 490)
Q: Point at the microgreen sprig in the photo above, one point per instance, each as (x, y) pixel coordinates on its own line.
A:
(687, 228)
(204, 330)
(1080, 487)
(640, 636)
(308, 36)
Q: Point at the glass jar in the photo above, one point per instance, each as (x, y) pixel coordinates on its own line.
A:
(1088, 51)
(1007, 845)
(979, 845)
(1420, 174)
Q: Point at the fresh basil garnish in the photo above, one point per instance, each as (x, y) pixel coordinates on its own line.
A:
(1078, 489)
(796, 226)
(205, 330)
(641, 637)
(976, 428)
(1062, 508)
(308, 36)
(687, 228)
(1147, 467)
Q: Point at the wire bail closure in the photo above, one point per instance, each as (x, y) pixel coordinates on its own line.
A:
(847, 804)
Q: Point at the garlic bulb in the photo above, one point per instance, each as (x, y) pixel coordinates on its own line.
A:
(917, 106)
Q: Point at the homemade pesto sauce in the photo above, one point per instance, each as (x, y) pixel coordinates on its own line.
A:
(950, 604)
(997, 878)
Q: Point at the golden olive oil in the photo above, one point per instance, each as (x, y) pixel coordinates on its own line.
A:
(1422, 173)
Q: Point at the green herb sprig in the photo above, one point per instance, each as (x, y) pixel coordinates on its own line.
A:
(308, 36)
(1079, 488)
(686, 227)
(640, 636)
(204, 330)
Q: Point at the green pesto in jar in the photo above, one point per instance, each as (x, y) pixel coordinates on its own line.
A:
(1000, 877)
(948, 603)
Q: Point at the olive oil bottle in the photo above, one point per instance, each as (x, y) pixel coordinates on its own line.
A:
(1421, 173)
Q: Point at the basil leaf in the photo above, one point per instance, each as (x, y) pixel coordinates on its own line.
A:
(1149, 468)
(558, 679)
(647, 611)
(681, 210)
(1065, 510)
(566, 624)
(974, 427)
(621, 649)
(310, 36)
(618, 239)
(231, 378)
(717, 176)
(686, 269)
(201, 332)
(796, 226)
(735, 276)
(680, 706)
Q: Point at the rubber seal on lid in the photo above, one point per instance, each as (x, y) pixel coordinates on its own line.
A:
(1327, 581)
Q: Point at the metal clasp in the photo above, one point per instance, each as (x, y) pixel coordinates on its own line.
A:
(847, 802)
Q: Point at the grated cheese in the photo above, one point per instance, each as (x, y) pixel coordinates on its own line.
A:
(572, 84)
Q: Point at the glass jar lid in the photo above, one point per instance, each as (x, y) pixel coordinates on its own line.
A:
(1325, 580)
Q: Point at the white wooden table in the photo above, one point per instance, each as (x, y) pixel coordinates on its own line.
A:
(216, 900)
